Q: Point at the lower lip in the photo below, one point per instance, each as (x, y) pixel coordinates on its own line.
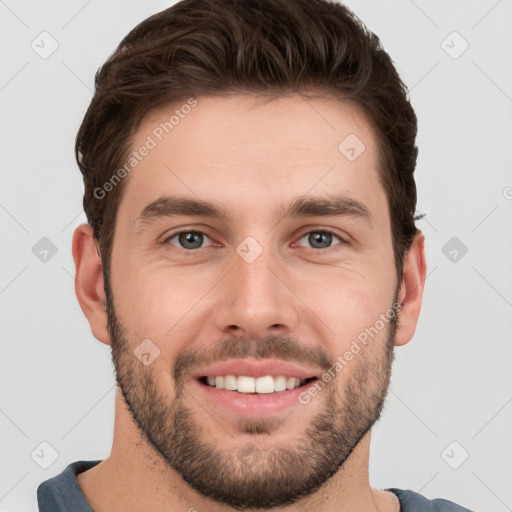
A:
(252, 405)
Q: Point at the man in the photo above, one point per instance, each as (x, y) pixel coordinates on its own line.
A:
(251, 257)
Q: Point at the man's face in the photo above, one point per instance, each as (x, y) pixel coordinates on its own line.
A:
(260, 294)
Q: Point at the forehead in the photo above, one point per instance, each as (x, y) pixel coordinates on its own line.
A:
(241, 147)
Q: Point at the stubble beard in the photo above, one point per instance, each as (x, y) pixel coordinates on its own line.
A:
(250, 477)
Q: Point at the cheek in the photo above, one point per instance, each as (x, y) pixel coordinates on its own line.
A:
(161, 304)
(347, 301)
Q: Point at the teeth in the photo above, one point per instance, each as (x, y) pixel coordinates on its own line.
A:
(291, 383)
(245, 384)
(230, 383)
(280, 383)
(265, 384)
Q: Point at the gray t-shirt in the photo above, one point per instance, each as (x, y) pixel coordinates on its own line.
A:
(63, 494)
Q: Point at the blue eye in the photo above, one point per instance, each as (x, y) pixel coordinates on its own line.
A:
(320, 239)
(189, 239)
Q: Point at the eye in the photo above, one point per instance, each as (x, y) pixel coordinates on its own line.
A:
(191, 240)
(188, 239)
(321, 239)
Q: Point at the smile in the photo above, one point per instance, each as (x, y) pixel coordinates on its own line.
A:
(260, 385)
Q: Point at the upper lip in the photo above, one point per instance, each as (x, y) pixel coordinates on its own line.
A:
(256, 368)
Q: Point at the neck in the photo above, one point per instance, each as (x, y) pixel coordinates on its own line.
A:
(136, 477)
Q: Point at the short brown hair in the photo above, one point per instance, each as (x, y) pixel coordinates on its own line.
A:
(224, 47)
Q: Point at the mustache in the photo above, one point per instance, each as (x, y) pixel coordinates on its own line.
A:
(284, 348)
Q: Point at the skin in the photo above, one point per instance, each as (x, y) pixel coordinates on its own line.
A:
(228, 150)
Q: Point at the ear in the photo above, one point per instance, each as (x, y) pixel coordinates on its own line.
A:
(411, 291)
(89, 286)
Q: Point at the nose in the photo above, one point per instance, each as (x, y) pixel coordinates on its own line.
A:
(257, 299)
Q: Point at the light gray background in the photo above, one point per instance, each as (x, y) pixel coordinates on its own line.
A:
(451, 383)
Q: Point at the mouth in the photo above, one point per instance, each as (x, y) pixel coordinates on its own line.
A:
(267, 384)
(252, 388)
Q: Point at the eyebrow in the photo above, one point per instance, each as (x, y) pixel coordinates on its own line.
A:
(304, 206)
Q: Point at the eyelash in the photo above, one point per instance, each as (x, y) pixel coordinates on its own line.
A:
(322, 230)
